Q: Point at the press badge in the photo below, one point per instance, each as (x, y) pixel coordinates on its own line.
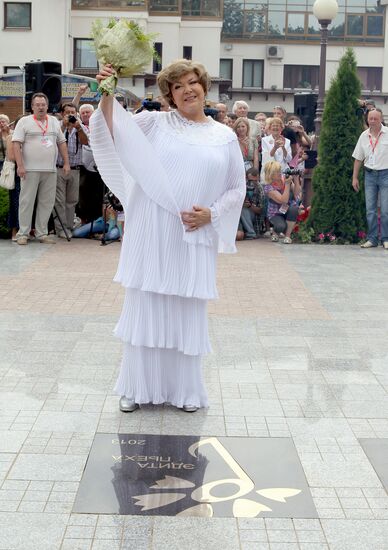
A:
(46, 142)
(371, 159)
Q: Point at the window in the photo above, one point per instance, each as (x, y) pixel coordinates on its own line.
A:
(84, 54)
(17, 15)
(276, 23)
(201, 8)
(354, 25)
(187, 52)
(253, 73)
(254, 22)
(107, 4)
(157, 63)
(292, 20)
(161, 6)
(226, 69)
(374, 25)
(295, 23)
(301, 76)
(371, 77)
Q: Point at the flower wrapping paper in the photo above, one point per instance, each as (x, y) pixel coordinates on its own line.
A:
(124, 45)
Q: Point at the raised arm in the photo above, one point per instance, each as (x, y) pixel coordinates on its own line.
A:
(106, 103)
(81, 90)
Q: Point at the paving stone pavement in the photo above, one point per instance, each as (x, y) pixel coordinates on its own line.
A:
(300, 350)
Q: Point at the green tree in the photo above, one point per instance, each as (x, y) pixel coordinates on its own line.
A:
(336, 208)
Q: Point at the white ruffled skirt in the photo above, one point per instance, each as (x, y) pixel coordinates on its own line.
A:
(164, 339)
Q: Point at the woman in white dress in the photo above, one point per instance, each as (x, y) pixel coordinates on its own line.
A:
(181, 180)
(274, 146)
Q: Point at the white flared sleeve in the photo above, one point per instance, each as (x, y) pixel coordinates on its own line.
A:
(129, 157)
(226, 211)
(139, 158)
(107, 160)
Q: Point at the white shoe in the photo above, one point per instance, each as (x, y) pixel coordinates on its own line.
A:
(385, 245)
(189, 408)
(127, 405)
(368, 244)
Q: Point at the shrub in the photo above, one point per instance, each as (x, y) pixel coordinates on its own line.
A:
(336, 209)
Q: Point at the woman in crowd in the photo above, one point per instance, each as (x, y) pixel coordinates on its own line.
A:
(248, 145)
(180, 178)
(5, 131)
(241, 109)
(274, 146)
(283, 200)
(7, 153)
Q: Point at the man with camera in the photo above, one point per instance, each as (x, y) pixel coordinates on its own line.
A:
(372, 151)
(68, 183)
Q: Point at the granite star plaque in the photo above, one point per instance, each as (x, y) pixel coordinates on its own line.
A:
(194, 476)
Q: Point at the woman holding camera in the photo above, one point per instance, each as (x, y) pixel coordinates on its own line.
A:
(180, 178)
(274, 146)
(283, 200)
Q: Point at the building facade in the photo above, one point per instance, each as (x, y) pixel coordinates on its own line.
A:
(265, 52)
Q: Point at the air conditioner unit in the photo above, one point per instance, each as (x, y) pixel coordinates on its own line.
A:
(274, 52)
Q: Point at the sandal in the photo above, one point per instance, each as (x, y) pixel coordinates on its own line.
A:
(287, 240)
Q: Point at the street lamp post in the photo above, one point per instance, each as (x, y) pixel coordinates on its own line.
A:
(325, 11)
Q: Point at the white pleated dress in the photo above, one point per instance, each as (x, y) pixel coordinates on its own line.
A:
(158, 165)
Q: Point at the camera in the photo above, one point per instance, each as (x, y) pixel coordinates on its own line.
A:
(149, 105)
(113, 202)
(292, 172)
(72, 119)
(210, 111)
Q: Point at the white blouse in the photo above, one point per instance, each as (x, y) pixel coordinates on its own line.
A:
(267, 144)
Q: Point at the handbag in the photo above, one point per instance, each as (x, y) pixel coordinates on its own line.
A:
(7, 176)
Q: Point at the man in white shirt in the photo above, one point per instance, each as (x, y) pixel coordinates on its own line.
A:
(372, 150)
(36, 139)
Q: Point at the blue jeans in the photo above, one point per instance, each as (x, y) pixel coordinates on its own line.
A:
(376, 182)
(247, 220)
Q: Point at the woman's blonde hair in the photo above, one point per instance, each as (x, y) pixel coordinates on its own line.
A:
(174, 72)
(271, 168)
(240, 120)
(275, 119)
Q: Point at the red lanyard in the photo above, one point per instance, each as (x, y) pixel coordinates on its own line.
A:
(43, 128)
(376, 142)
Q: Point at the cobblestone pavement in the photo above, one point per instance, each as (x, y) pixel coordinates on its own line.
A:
(300, 343)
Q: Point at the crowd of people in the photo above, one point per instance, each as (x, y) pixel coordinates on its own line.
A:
(59, 192)
(275, 150)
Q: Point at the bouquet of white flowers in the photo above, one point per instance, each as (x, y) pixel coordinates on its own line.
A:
(124, 45)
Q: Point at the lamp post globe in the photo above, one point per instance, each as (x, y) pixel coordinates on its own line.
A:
(325, 9)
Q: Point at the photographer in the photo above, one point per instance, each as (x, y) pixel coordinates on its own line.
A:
(68, 184)
(253, 205)
(275, 146)
(283, 200)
